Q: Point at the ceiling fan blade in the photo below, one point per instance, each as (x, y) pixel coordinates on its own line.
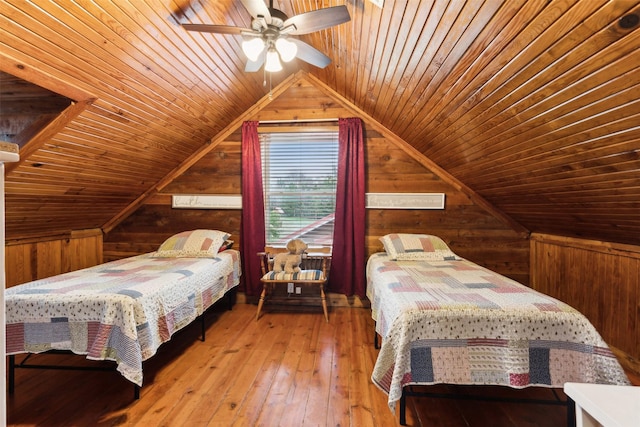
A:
(253, 66)
(220, 29)
(317, 20)
(257, 8)
(310, 54)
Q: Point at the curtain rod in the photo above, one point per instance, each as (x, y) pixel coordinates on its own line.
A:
(274, 122)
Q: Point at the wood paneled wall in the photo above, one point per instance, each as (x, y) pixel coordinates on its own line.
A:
(27, 260)
(467, 228)
(599, 279)
(471, 231)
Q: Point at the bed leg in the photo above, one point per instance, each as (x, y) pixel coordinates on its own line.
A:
(230, 298)
(136, 392)
(376, 343)
(403, 409)
(203, 328)
(12, 373)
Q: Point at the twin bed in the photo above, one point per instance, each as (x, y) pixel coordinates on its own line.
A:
(123, 310)
(444, 319)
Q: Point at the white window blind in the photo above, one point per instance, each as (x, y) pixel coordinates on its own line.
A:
(299, 177)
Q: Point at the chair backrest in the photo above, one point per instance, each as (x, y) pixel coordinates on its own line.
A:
(316, 262)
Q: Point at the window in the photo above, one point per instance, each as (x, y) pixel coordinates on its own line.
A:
(299, 172)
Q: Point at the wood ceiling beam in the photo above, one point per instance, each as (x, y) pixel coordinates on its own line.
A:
(423, 160)
(199, 154)
(31, 139)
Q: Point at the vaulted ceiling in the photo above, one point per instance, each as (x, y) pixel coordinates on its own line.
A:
(532, 104)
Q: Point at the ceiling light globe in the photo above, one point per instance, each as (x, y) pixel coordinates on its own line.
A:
(253, 48)
(272, 63)
(286, 49)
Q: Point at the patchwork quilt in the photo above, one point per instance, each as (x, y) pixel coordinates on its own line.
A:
(120, 311)
(456, 322)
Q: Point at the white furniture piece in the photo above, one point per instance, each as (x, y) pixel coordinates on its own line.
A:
(605, 405)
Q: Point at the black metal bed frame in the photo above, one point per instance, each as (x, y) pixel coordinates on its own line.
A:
(409, 391)
(23, 364)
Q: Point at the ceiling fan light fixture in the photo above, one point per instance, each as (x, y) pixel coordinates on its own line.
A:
(286, 49)
(262, 43)
(272, 63)
(253, 47)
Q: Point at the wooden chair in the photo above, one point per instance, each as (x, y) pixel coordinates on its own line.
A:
(315, 271)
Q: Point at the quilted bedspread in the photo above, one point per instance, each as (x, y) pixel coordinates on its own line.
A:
(455, 322)
(120, 311)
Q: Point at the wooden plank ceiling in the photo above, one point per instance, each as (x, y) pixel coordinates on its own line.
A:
(533, 104)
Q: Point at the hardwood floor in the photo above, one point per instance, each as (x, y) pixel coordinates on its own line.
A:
(287, 369)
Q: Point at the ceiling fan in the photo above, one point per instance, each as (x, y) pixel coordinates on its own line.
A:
(270, 40)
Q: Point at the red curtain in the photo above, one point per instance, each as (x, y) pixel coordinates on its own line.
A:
(252, 229)
(348, 261)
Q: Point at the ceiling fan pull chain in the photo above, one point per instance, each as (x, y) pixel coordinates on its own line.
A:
(264, 77)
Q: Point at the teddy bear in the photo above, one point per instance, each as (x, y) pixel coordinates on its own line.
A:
(289, 262)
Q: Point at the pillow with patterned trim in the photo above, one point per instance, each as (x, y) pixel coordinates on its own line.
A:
(404, 247)
(193, 244)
